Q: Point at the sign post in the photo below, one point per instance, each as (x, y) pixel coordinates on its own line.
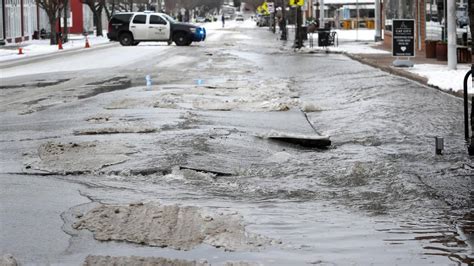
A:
(403, 41)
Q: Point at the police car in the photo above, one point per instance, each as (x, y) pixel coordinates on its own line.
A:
(131, 28)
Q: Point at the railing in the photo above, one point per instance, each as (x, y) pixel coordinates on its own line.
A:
(468, 138)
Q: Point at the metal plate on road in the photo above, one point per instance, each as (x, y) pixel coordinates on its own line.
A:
(403, 43)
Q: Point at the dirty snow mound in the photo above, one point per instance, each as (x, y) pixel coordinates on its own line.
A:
(8, 260)
(81, 156)
(123, 128)
(139, 261)
(146, 261)
(310, 107)
(178, 227)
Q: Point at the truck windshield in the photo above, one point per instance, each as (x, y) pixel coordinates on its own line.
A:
(170, 19)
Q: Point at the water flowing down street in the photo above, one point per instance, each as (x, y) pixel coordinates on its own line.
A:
(226, 158)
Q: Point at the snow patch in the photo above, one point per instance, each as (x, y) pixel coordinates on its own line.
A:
(442, 77)
(178, 227)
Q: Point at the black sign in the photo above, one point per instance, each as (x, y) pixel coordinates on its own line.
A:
(403, 37)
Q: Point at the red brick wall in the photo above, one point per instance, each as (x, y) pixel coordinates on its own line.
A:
(77, 17)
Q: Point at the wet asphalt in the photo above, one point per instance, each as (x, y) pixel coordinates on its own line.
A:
(377, 195)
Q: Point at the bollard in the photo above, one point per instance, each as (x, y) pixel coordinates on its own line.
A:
(148, 81)
(439, 145)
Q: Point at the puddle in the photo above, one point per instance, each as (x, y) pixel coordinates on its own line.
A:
(34, 84)
(114, 84)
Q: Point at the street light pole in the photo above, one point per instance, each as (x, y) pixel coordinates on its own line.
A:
(321, 14)
(451, 20)
(378, 23)
(284, 36)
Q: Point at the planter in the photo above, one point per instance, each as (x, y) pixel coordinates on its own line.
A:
(464, 55)
(430, 48)
(442, 51)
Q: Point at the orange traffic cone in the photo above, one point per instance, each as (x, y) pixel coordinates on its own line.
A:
(60, 44)
(20, 50)
(87, 43)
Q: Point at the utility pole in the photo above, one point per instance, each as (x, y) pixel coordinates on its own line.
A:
(357, 22)
(321, 14)
(451, 20)
(378, 24)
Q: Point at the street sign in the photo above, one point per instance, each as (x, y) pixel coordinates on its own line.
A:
(403, 41)
(271, 7)
(296, 2)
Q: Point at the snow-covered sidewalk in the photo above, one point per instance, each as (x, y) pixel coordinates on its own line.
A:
(31, 48)
(444, 78)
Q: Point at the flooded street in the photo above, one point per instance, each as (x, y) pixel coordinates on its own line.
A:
(93, 162)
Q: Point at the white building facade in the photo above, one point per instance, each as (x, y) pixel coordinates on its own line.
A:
(20, 19)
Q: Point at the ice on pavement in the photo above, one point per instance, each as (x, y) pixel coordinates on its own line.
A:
(107, 58)
(273, 134)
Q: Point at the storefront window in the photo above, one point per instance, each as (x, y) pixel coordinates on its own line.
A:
(398, 9)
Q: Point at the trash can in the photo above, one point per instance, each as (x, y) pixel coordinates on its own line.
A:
(304, 33)
(323, 38)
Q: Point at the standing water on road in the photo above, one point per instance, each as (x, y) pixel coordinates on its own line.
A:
(182, 169)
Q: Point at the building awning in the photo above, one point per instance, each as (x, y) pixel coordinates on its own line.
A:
(347, 2)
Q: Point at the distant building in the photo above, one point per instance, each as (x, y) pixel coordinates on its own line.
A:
(19, 19)
(347, 14)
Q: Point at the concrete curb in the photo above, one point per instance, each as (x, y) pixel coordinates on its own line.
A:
(389, 69)
(37, 58)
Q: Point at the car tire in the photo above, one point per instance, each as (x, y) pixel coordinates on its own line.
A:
(126, 39)
(181, 39)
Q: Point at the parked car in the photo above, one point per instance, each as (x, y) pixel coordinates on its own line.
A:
(203, 19)
(239, 17)
(263, 21)
(131, 28)
(200, 20)
(463, 21)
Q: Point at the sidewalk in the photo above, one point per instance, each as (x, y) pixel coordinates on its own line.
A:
(40, 48)
(361, 47)
(427, 71)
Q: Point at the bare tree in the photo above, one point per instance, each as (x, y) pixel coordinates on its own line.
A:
(65, 20)
(52, 9)
(254, 3)
(96, 6)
